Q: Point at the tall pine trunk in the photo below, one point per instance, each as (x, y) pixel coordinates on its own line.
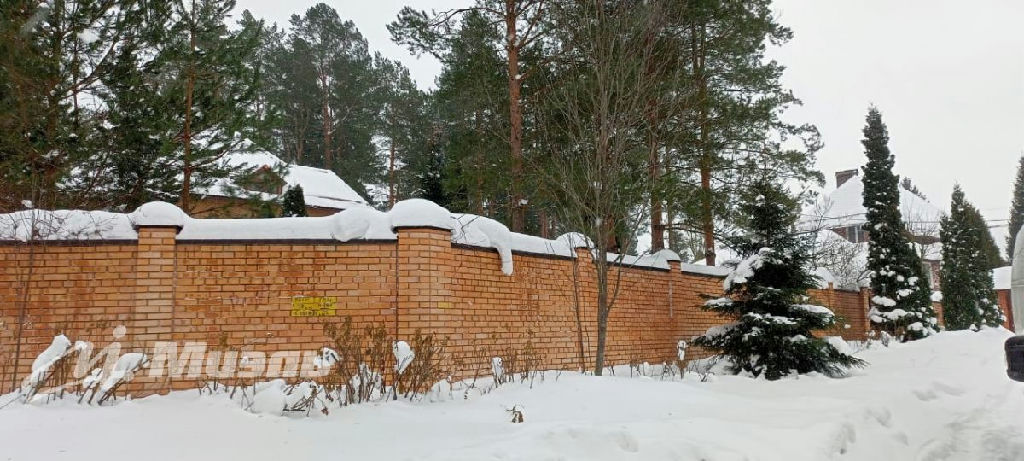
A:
(515, 117)
(326, 122)
(391, 175)
(603, 309)
(654, 170)
(190, 84)
(707, 214)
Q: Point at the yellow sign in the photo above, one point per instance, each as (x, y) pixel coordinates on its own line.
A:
(314, 306)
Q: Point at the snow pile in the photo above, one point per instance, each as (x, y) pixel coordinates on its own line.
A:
(46, 363)
(327, 358)
(814, 309)
(66, 225)
(43, 365)
(403, 355)
(575, 240)
(497, 369)
(270, 398)
(350, 224)
(825, 278)
(745, 269)
(158, 214)
(960, 406)
(361, 223)
(840, 344)
(1001, 277)
(321, 228)
(420, 213)
(484, 232)
(124, 370)
(714, 271)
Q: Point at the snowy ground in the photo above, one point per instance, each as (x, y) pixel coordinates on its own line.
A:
(942, 398)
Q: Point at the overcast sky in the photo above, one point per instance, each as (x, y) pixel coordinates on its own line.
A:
(947, 75)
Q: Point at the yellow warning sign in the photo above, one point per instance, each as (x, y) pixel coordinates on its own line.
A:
(314, 306)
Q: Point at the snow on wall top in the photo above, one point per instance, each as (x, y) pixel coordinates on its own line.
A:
(320, 188)
(845, 207)
(1001, 277)
(352, 224)
(28, 225)
(420, 213)
(158, 214)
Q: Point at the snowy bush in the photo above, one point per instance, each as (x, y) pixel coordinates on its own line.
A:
(52, 377)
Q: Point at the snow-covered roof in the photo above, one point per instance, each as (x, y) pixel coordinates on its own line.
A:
(320, 187)
(1001, 277)
(844, 206)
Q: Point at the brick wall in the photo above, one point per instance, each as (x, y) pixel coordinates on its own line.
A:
(1003, 298)
(239, 294)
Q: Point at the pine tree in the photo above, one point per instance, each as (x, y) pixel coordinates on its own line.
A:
(901, 304)
(1016, 210)
(521, 25)
(293, 203)
(968, 299)
(54, 60)
(205, 84)
(989, 252)
(324, 87)
(715, 140)
(766, 294)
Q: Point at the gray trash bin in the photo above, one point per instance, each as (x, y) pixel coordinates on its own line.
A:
(1015, 358)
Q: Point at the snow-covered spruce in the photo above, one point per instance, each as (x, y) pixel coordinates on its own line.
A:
(969, 299)
(902, 297)
(766, 297)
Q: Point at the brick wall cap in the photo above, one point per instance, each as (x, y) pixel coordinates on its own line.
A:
(158, 214)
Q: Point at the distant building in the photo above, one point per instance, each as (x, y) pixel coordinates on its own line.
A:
(842, 211)
(255, 192)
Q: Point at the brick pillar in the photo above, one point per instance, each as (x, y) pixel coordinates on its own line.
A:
(157, 224)
(424, 280)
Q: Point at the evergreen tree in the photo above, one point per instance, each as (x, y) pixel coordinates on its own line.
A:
(293, 203)
(901, 304)
(1016, 210)
(766, 294)
(518, 27)
(728, 122)
(471, 105)
(989, 252)
(206, 86)
(325, 91)
(968, 299)
(54, 61)
(405, 128)
(471, 101)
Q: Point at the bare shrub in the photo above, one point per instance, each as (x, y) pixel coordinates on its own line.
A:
(425, 370)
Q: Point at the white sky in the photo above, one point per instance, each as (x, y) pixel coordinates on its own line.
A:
(947, 75)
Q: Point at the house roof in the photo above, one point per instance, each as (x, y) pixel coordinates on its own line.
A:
(320, 187)
(844, 206)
